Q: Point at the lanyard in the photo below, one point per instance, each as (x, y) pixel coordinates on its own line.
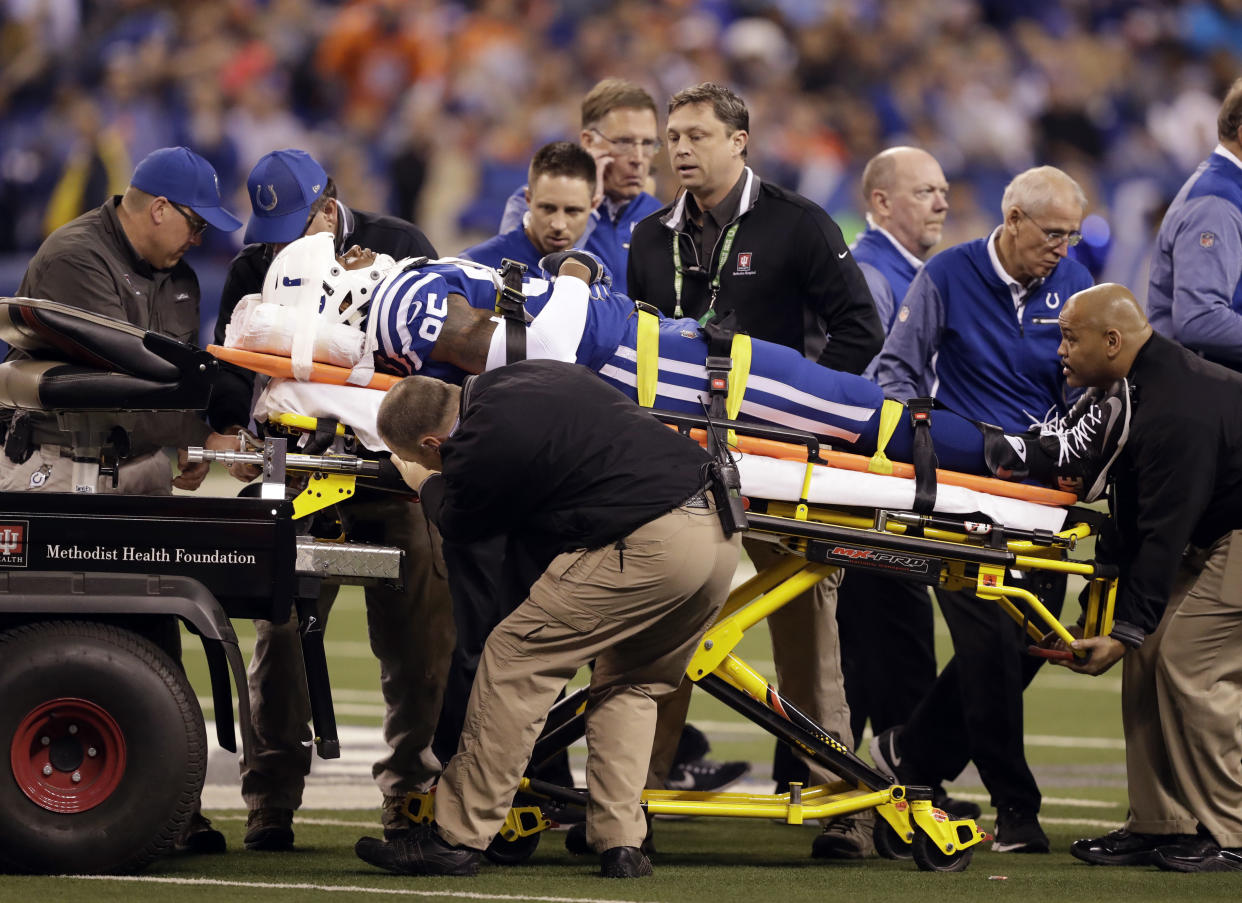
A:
(725, 247)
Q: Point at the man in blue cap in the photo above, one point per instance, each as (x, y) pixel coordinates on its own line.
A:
(290, 196)
(411, 629)
(124, 260)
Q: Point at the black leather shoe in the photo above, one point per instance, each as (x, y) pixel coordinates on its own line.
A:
(199, 837)
(420, 851)
(624, 862)
(1123, 847)
(1202, 854)
(576, 841)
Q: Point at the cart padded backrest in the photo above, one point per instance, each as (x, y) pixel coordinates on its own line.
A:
(85, 361)
(48, 330)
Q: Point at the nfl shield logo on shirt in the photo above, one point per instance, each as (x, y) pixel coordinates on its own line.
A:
(743, 264)
(1206, 239)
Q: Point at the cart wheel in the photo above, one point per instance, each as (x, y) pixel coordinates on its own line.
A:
(887, 842)
(930, 858)
(512, 852)
(102, 749)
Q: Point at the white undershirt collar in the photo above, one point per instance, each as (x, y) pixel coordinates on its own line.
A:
(910, 258)
(1228, 155)
(1017, 291)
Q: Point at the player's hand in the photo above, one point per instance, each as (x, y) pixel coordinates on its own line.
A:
(602, 162)
(576, 263)
(412, 472)
(1102, 653)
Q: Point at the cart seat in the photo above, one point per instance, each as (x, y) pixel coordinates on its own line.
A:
(83, 361)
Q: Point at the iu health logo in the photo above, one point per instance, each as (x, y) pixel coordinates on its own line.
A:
(13, 543)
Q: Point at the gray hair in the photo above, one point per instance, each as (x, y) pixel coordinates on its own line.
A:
(1035, 189)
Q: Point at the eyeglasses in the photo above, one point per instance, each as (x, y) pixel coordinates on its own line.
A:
(198, 225)
(647, 146)
(1051, 236)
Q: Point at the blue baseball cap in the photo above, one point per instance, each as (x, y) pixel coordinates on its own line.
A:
(185, 178)
(282, 186)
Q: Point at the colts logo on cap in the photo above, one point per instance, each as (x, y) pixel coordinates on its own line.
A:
(258, 197)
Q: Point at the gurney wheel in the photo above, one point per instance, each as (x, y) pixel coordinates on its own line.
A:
(887, 844)
(930, 858)
(104, 745)
(512, 852)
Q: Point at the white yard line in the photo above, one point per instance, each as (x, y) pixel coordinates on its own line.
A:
(337, 888)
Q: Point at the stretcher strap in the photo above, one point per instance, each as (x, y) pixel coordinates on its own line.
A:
(307, 318)
(511, 304)
(648, 351)
(740, 352)
(890, 416)
(924, 454)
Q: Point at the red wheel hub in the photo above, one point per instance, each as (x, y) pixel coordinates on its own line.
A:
(68, 755)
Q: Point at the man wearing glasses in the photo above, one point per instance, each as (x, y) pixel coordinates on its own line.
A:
(979, 326)
(733, 243)
(123, 260)
(619, 129)
(410, 629)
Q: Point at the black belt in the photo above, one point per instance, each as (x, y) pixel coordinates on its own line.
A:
(698, 500)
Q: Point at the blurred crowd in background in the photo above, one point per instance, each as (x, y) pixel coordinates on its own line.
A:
(431, 110)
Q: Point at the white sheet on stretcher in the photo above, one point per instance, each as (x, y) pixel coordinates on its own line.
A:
(772, 478)
(762, 477)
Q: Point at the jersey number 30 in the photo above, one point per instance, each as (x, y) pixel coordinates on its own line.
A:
(433, 319)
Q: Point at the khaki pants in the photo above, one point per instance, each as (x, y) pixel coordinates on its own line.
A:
(411, 633)
(1182, 705)
(48, 469)
(639, 612)
(807, 655)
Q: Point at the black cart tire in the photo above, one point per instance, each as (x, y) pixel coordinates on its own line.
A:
(888, 845)
(103, 751)
(512, 852)
(930, 858)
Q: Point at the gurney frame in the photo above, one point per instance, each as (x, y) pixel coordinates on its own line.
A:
(933, 549)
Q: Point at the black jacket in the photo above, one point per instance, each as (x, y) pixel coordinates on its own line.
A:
(389, 235)
(551, 453)
(90, 264)
(789, 276)
(1179, 475)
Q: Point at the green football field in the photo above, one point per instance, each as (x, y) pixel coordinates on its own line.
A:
(1073, 743)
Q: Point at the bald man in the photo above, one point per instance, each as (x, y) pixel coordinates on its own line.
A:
(907, 200)
(977, 329)
(1178, 628)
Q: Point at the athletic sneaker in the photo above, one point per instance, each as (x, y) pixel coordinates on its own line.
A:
(957, 809)
(1018, 832)
(1087, 442)
(886, 753)
(269, 829)
(846, 837)
(704, 775)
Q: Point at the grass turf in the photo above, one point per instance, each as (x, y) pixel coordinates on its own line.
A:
(1073, 744)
